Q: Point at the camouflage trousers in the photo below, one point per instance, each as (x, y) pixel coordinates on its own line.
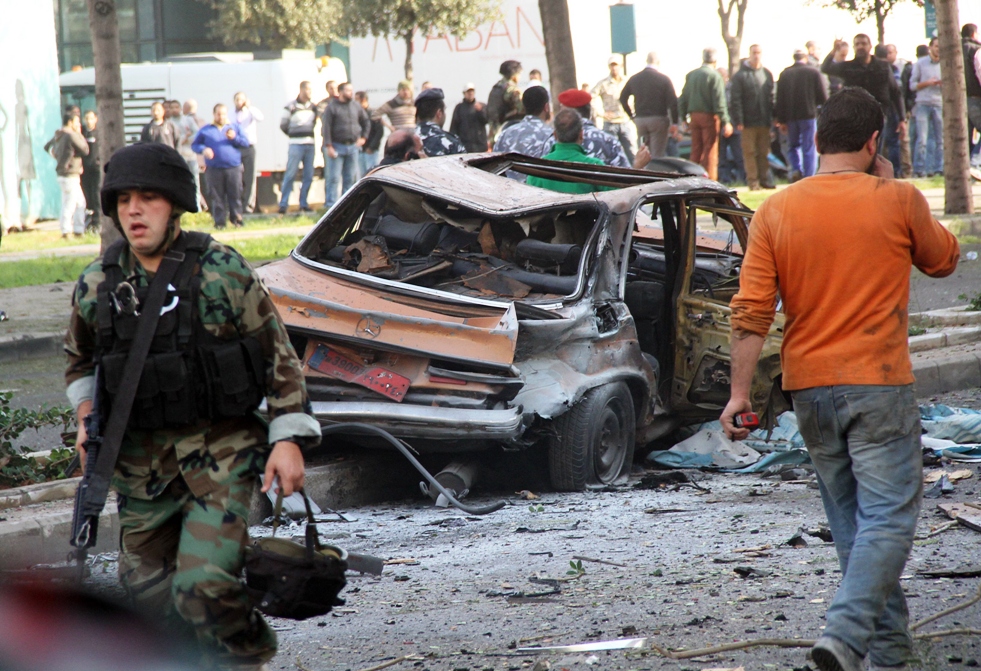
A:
(181, 556)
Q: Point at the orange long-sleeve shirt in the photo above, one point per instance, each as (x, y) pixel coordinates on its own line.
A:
(839, 249)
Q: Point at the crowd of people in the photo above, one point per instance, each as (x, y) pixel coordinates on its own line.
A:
(738, 128)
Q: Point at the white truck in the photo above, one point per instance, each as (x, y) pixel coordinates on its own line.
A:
(210, 78)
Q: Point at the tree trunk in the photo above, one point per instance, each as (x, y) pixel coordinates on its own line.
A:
(409, 73)
(559, 54)
(880, 22)
(733, 42)
(108, 90)
(959, 198)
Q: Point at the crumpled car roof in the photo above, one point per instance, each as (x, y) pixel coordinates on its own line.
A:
(478, 186)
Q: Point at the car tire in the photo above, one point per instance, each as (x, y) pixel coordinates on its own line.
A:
(593, 443)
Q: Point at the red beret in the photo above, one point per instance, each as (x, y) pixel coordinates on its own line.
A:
(575, 98)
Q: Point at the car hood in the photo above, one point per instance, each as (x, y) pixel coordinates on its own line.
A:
(388, 315)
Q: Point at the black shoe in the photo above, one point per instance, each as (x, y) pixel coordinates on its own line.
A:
(306, 209)
(282, 210)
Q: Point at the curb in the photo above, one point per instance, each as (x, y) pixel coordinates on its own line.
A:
(15, 347)
(40, 536)
(951, 373)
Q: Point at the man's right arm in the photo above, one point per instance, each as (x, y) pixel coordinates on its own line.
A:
(326, 121)
(736, 105)
(80, 348)
(284, 120)
(199, 145)
(830, 66)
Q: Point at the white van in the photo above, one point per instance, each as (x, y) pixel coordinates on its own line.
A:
(210, 78)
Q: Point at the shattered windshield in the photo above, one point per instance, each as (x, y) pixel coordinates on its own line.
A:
(420, 239)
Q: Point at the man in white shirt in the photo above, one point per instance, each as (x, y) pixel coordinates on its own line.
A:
(247, 118)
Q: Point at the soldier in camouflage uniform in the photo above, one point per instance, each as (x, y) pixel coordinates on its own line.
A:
(597, 143)
(184, 493)
(529, 135)
(430, 117)
(504, 105)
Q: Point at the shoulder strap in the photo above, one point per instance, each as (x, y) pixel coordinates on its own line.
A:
(99, 474)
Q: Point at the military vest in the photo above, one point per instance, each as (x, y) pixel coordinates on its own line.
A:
(189, 374)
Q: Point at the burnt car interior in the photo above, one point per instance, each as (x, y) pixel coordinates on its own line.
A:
(419, 239)
(655, 265)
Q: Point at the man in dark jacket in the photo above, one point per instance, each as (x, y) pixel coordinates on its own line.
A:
(345, 127)
(159, 128)
(470, 121)
(370, 153)
(800, 91)
(91, 170)
(871, 74)
(971, 47)
(752, 114)
(655, 108)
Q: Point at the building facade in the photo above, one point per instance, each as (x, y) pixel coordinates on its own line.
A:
(149, 30)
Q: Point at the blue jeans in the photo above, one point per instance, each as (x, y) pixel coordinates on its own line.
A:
(974, 121)
(367, 162)
(865, 444)
(803, 155)
(928, 156)
(298, 153)
(346, 162)
(889, 144)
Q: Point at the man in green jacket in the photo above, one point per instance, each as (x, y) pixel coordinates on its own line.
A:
(703, 99)
(568, 147)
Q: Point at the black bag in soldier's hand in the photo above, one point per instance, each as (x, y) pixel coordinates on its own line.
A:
(287, 579)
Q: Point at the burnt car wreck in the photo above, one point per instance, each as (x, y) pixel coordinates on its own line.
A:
(461, 310)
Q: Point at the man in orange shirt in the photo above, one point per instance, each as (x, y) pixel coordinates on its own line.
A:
(838, 248)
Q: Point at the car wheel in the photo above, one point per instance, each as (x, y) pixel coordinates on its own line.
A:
(594, 441)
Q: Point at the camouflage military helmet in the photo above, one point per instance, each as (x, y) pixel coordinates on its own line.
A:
(149, 166)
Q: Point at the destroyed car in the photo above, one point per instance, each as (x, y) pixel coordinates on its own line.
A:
(460, 310)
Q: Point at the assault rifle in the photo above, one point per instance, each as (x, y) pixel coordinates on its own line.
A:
(90, 498)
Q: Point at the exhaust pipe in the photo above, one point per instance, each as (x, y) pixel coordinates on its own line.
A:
(457, 478)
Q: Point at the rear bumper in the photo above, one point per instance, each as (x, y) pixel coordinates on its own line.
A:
(413, 421)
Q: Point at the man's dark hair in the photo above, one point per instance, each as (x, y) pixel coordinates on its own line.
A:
(67, 117)
(508, 68)
(426, 109)
(399, 144)
(534, 99)
(567, 125)
(934, 39)
(586, 111)
(342, 85)
(214, 110)
(969, 30)
(847, 121)
(881, 52)
(922, 50)
(361, 96)
(867, 38)
(535, 73)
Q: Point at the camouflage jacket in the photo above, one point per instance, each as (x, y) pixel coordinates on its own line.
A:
(438, 142)
(232, 302)
(527, 137)
(512, 107)
(607, 100)
(598, 144)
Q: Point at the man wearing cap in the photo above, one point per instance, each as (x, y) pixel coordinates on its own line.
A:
(529, 135)
(399, 112)
(569, 125)
(470, 121)
(655, 107)
(596, 143)
(800, 91)
(703, 103)
(193, 445)
(608, 107)
(430, 117)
